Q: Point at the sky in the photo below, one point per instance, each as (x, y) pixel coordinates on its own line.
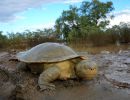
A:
(21, 15)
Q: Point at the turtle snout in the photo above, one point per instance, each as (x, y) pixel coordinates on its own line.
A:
(91, 73)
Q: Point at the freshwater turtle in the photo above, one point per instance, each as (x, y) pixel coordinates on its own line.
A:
(56, 61)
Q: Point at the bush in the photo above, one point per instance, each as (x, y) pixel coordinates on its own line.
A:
(3, 40)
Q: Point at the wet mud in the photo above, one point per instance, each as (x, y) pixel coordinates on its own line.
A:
(111, 83)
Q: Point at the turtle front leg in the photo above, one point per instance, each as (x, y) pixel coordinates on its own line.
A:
(48, 76)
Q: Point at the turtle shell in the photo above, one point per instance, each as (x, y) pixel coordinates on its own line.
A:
(47, 52)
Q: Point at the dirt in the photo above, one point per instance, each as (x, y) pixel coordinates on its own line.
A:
(107, 85)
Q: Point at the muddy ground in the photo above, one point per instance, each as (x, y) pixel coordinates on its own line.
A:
(111, 83)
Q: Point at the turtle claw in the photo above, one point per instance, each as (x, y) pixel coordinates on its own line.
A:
(47, 87)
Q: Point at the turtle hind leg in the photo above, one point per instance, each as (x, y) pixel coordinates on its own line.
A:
(48, 76)
(21, 66)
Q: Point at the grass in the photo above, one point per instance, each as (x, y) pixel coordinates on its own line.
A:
(84, 48)
(95, 50)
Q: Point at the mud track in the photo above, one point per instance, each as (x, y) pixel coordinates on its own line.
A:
(106, 86)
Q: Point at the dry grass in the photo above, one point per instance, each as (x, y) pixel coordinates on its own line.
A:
(95, 50)
(81, 48)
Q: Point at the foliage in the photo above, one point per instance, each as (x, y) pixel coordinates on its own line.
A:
(16, 40)
(80, 22)
(124, 32)
(3, 40)
(31, 38)
(95, 37)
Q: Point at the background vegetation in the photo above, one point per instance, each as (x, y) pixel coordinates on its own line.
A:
(83, 26)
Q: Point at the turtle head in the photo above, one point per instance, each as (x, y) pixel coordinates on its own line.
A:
(86, 69)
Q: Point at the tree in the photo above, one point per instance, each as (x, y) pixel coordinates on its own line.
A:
(67, 21)
(80, 21)
(95, 12)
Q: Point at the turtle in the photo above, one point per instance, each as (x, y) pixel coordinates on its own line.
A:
(54, 61)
